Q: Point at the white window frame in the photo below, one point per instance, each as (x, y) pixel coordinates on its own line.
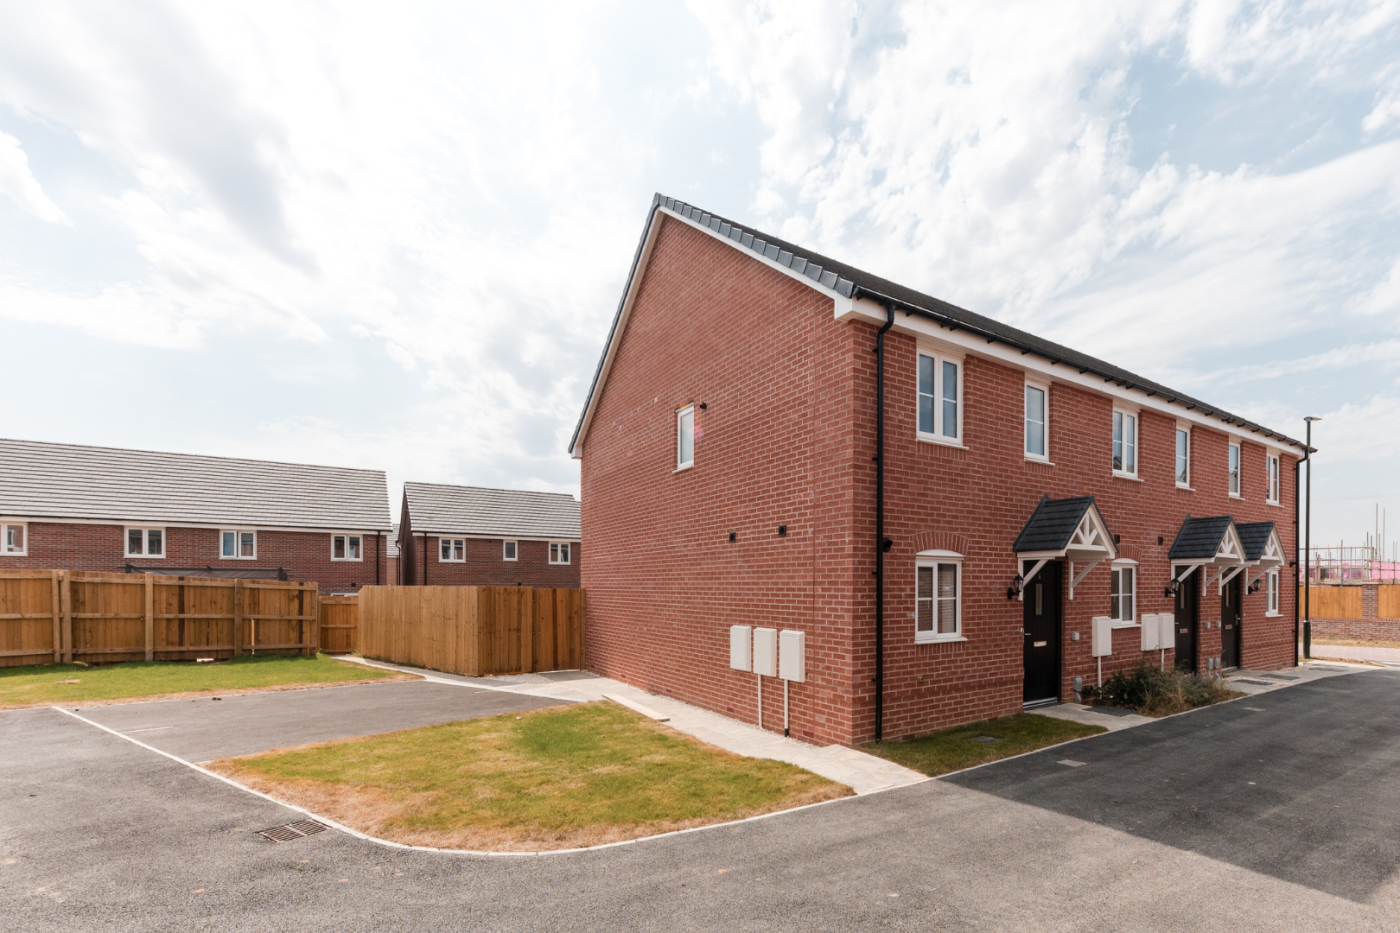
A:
(938, 436)
(510, 549)
(1272, 468)
(1180, 430)
(557, 548)
(1115, 570)
(145, 531)
(1025, 422)
(681, 413)
(347, 536)
(5, 539)
(1235, 474)
(934, 559)
(1126, 413)
(1271, 593)
(238, 534)
(455, 545)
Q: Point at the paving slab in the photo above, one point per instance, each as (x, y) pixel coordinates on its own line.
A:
(243, 724)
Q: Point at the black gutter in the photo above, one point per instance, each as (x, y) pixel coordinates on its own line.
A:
(881, 544)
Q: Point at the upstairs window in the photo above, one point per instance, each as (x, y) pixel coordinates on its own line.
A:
(559, 552)
(1123, 593)
(940, 381)
(685, 437)
(13, 540)
(145, 542)
(510, 550)
(452, 550)
(346, 547)
(1272, 463)
(1037, 421)
(1235, 470)
(238, 545)
(1183, 457)
(1125, 443)
(938, 597)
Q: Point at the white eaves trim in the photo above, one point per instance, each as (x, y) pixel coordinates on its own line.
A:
(419, 533)
(221, 526)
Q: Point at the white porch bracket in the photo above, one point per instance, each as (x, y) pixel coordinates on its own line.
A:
(1249, 580)
(1074, 578)
(1021, 596)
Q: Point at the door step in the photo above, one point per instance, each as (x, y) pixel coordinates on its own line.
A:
(1039, 704)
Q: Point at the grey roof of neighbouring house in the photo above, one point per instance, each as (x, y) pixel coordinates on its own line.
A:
(849, 281)
(435, 508)
(393, 541)
(1254, 537)
(41, 480)
(1052, 524)
(1199, 538)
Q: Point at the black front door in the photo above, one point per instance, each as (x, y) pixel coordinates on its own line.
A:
(1041, 626)
(1187, 620)
(1230, 616)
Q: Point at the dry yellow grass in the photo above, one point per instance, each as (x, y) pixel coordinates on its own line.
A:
(553, 778)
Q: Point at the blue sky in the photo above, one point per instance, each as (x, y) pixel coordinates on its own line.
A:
(332, 234)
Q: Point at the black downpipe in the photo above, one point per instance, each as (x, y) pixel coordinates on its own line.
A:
(1297, 530)
(880, 545)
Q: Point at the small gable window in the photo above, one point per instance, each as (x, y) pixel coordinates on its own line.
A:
(559, 552)
(452, 550)
(145, 542)
(510, 550)
(347, 547)
(238, 545)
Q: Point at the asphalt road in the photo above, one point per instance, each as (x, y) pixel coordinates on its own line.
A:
(118, 838)
(205, 729)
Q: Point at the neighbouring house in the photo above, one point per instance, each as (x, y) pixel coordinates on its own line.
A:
(472, 536)
(941, 503)
(71, 507)
(393, 545)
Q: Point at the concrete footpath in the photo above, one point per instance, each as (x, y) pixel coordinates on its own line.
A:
(861, 772)
(1387, 656)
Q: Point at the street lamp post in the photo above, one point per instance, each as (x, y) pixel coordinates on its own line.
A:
(1307, 547)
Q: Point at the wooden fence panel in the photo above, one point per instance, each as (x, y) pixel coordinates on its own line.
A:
(1388, 602)
(109, 617)
(472, 630)
(339, 624)
(1333, 602)
(30, 618)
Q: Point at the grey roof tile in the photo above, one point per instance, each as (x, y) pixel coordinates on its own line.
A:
(436, 508)
(1052, 524)
(1254, 536)
(1199, 538)
(392, 542)
(42, 480)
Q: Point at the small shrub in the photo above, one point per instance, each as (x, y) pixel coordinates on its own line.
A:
(1154, 692)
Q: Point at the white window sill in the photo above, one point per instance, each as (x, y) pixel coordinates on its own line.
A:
(1184, 488)
(681, 469)
(509, 560)
(347, 560)
(133, 556)
(1235, 495)
(1118, 625)
(1273, 502)
(942, 441)
(441, 561)
(1043, 461)
(1119, 474)
(254, 557)
(939, 640)
(1272, 615)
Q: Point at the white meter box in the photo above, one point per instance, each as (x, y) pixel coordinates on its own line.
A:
(1103, 636)
(765, 652)
(1151, 631)
(1166, 631)
(741, 647)
(792, 655)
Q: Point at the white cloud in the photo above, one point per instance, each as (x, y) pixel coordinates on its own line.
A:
(19, 184)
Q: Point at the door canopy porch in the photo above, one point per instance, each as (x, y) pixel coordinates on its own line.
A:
(1212, 543)
(1263, 549)
(1068, 529)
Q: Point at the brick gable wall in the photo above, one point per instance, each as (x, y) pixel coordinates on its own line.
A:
(306, 555)
(788, 437)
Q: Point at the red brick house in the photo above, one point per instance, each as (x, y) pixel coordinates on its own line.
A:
(70, 507)
(941, 503)
(472, 536)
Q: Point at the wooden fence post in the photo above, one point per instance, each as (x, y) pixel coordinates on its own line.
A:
(65, 589)
(150, 617)
(315, 619)
(57, 618)
(237, 617)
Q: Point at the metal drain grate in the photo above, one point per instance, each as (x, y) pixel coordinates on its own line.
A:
(289, 831)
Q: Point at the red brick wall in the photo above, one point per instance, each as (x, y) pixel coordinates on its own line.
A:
(1361, 629)
(788, 437)
(306, 555)
(485, 566)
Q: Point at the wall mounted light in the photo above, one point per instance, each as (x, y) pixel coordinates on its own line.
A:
(1014, 589)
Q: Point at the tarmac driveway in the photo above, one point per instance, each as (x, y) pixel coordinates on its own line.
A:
(241, 724)
(97, 833)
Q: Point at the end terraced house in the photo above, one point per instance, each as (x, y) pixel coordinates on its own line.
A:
(943, 504)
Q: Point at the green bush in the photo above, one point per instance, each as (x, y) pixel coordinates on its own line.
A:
(1154, 692)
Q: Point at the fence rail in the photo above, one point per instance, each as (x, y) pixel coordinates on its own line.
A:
(473, 630)
(47, 616)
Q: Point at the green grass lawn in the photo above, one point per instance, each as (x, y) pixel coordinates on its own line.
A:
(551, 778)
(42, 685)
(958, 748)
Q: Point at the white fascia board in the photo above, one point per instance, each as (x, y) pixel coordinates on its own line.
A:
(217, 526)
(1035, 366)
(417, 533)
